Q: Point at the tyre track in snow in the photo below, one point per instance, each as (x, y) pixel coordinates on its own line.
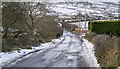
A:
(23, 58)
(65, 53)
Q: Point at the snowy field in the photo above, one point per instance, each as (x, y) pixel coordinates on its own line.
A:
(93, 9)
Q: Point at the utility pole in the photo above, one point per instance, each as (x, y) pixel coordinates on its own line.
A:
(71, 24)
(79, 17)
(85, 15)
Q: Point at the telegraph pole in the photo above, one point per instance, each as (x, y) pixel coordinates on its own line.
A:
(79, 16)
(85, 15)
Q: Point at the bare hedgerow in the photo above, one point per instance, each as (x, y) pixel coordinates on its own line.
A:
(27, 24)
(106, 49)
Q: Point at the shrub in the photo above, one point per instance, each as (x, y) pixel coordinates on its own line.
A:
(106, 27)
(106, 49)
(68, 26)
(21, 29)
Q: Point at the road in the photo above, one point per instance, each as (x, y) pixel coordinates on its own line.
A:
(63, 53)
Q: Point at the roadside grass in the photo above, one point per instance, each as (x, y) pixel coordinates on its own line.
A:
(106, 49)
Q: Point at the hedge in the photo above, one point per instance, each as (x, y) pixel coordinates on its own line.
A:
(106, 27)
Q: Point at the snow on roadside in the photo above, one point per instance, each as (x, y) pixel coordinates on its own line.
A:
(7, 57)
(89, 54)
(118, 68)
(60, 24)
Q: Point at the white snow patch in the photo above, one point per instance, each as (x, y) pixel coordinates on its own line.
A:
(7, 57)
(60, 24)
(118, 68)
(81, 24)
(89, 54)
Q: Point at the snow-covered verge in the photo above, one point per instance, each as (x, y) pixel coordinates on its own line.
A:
(8, 57)
(89, 54)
